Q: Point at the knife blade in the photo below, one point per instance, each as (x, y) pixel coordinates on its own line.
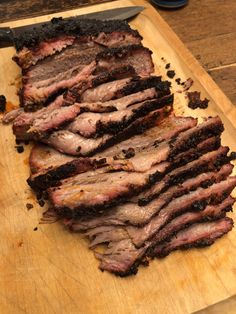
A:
(7, 34)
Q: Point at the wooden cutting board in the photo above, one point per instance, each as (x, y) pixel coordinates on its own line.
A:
(50, 270)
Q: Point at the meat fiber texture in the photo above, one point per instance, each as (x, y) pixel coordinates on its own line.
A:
(63, 53)
(114, 161)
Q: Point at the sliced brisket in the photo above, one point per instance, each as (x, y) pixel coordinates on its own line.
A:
(43, 157)
(136, 56)
(48, 166)
(42, 126)
(111, 233)
(72, 182)
(133, 214)
(197, 235)
(61, 71)
(123, 258)
(74, 144)
(121, 88)
(95, 124)
(196, 200)
(94, 191)
(186, 219)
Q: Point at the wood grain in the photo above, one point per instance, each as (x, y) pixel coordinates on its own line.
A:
(225, 77)
(19, 9)
(50, 270)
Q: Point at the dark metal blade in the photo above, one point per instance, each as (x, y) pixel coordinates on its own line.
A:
(125, 13)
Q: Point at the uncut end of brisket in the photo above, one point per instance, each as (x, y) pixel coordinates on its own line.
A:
(53, 37)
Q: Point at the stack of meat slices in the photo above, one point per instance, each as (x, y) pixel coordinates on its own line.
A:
(115, 162)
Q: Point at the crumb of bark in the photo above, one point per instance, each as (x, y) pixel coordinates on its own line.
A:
(232, 156)
(41, 202)
(194, 100)
(2, 103)
(178, 81)
(170, 73)
(35, 229)
(187, 84)
(18, 142)
(29, 206)
(167, 66)
(39, 195)
(20, 149)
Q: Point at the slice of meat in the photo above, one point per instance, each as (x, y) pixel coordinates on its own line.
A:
(197, 235)
(136, 56)
(37, 92)
(184, 220)
(43, 157)
(62, 71)
(133, 214)
(163, 130)
(95, 124)
(42, 126)
(105, 234)
(126, 101)
(121, 88)
(27, 57)
(74, 144)
(123, 258)
(11, 115)
(25, 120)
(48, 166)
(211, 127)
(73, 94)
(99, 189)
(196, 200)
(205, 158)
(53, 37)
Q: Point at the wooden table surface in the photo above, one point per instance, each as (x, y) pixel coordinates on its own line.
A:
(207, 28)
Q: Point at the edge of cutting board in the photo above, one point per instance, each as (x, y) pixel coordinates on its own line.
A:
(210, 86)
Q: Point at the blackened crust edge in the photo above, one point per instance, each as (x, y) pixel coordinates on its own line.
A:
(72, 27)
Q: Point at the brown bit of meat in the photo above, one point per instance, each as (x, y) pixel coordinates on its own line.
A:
(194, 101)
(11, 115)
(187, 84)
(29, 206)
